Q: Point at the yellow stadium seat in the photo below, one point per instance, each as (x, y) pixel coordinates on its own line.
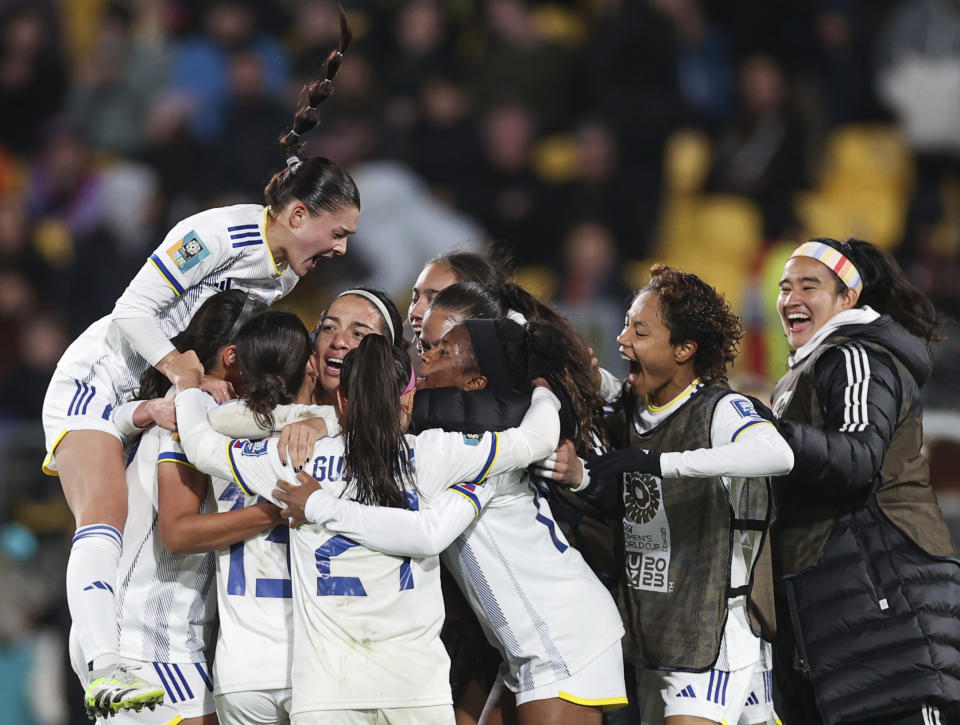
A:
(678, 223)
(867, 156)
(714, 226)
(729, 225)
(687, 159)
(715, 237)
(876, 215)
(730, 278)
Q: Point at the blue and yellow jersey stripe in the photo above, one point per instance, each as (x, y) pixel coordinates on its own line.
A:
(749, 424)
(236, 471)
(488, 464)
(174, 457)
(468, 494)
(166, 274)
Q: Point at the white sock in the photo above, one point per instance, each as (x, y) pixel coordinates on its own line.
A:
(91, 578)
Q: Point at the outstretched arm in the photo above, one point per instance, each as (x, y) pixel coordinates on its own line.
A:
(444, 459)
(399, 532)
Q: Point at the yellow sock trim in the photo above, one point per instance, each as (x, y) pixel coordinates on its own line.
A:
(604, 703)
(178, 718)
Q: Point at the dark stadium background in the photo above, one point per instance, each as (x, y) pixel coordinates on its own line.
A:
(586, 138)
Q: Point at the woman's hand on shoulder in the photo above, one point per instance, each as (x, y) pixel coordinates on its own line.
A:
(184, 370)
(221, 390)
(294, 497)
(297, 441)
(162, 412)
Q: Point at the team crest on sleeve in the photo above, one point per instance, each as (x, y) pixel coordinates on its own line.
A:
(472, 439)
(252, 448)
(188, 252)
(744, 408)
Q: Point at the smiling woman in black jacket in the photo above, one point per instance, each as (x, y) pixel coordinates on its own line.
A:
(868, 581)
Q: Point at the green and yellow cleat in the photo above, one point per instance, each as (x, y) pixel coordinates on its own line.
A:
(120, 690)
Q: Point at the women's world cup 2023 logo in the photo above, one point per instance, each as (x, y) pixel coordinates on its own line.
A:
(642, 497)
(646, 534)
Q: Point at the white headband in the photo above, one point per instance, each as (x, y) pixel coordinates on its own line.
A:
(378, 303)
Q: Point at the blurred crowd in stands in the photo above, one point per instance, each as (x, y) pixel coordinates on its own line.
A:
(585, 138)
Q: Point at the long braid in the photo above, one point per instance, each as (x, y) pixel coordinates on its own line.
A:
(317, 182)
(307, 116)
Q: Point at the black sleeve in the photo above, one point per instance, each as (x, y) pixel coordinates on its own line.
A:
(473, 411)
(605, 495)
(860, 392)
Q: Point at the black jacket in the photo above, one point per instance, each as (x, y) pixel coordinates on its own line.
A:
(868, 586)
(844, 456)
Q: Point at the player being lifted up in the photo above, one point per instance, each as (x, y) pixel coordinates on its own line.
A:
(165, 598)
(312, 208)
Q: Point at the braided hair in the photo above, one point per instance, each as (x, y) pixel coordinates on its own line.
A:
(316, 181)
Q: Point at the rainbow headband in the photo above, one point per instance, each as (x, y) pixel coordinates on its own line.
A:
(835, 260)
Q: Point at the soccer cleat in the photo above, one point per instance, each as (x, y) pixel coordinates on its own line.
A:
(120, 690)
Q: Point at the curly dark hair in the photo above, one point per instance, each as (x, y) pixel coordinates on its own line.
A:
(693, 310)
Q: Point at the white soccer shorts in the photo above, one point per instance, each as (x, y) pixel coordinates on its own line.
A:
(597, 684)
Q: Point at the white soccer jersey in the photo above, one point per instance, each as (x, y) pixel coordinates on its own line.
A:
(513, 563)
(215, 250)
(521, 576)
(744, 443)
(165, 602)
(366, 625)
(254, 604)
